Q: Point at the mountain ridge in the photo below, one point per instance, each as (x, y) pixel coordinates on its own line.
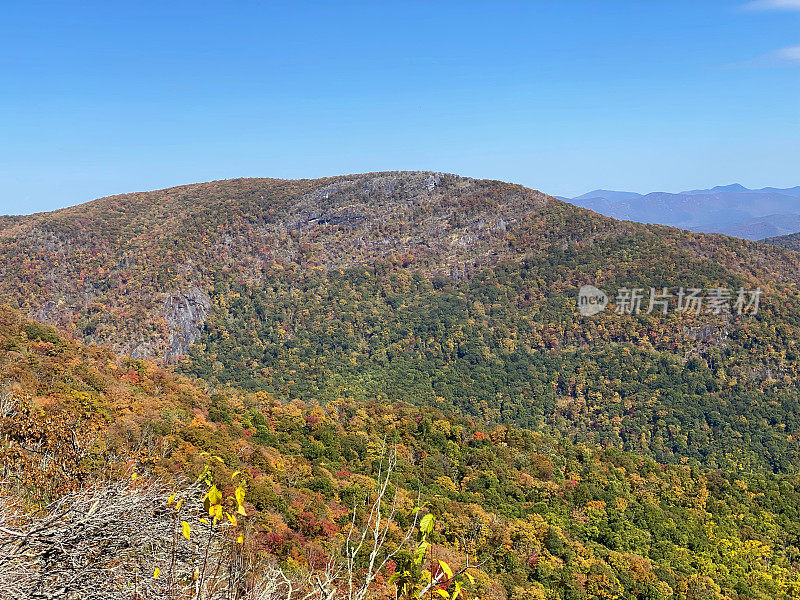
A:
(445, 239)
(123, 223)
(730, 209)
(790, 241)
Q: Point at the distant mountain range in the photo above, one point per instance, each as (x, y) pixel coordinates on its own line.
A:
(729, 209)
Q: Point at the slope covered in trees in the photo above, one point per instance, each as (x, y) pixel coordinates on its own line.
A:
(442, 290)
(544, 518)
(791, 241)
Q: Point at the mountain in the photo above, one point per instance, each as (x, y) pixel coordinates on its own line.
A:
(759, 228)
(792, 241)
(448, 291)
(609, 195)
(286, 332)
(733, 187)
(729, 209)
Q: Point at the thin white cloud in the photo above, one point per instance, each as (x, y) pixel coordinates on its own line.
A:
(789, 55)
(772, 5)
(783, 57)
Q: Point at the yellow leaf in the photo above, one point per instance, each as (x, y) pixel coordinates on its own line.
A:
(240, 539)
(178, 504)
(239, 495)
(214, 496)
(134, 476)
(231, 518)
(446, 568)
(204, 521)
(156, 573)
(426, 524)
(443, 593)
(171, 499)
(186, 530)
(216, 512)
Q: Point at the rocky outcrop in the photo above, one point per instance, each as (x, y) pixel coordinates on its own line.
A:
(185, 314)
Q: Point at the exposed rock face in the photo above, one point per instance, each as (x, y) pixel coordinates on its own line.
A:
(46, 313)
(185, 315)
(446, 221)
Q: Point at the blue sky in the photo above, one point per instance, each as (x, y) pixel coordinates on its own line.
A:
(98, 98)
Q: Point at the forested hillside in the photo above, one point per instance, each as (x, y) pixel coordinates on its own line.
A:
(543, 518)
(436, 289)
(791, 241)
